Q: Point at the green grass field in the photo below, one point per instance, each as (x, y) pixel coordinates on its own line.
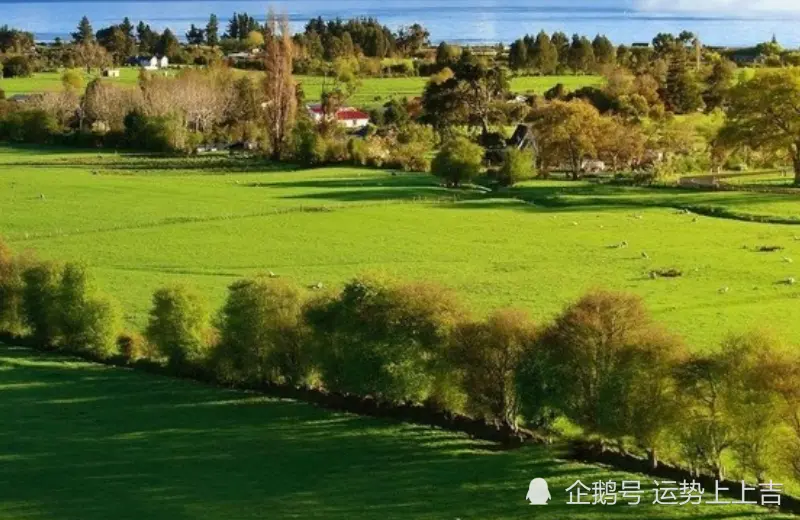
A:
(82, 441)
(372, 92)
(142, 222)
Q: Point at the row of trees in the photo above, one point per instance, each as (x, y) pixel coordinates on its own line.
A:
(602, 364)
(547, 55)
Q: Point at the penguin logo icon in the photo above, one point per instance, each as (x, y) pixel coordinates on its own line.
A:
(538, 492)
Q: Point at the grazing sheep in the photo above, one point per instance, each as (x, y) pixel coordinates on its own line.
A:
(788, 260)
(317, 286)
(639, 217)
(645, 255)
(624, 243)
(694, 219)
(42, 197)
(653, 275)
(724, 290)
(272, 275)
(791, 281)
(574, 223)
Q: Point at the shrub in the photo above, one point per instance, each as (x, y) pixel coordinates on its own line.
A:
(133, 346)
(72, 79)
(39, 301)
(11, 290)
(597, 360)
(262, 333)
(458, 161)
(517, 166)
(29, 126)
(85, 321)
(309, 147)
(18, 67)
(487, 354)
(732, 403)
(178, 326)
(381, 339)
(156, 133)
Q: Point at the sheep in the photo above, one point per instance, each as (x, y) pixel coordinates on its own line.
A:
(624, 243)
(788, 260)
(653, 275)
(645, 255)
(317, 286)
(42, 197)
(639, 217)
(574, 223)
(272, 275)
(694, 219)
(724, 290)
(791, 281)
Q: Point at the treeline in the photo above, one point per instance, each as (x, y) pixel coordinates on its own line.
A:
(602, 364)
(321, 42)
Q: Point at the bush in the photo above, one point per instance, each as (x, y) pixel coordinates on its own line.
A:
(156, 133)
(133, 346)
(734, 404)
(381, 339)
(178, 326)
(85, 321)
(607, 368)
(517, 166)
(29, 126)
(40, 302)
(262, 334)
(11, 290)
(309, 147)
(458, 161)
(72, 79)
(487, 354)
(18, 67)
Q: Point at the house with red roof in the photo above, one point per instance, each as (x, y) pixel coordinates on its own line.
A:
(347, 117)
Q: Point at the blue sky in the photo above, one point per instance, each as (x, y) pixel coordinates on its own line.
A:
(726, 6)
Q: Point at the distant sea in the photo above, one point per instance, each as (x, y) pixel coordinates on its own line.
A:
(718, 22)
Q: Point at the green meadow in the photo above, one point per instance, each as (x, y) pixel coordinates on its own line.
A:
(142, 222)
(372, 92)
(88, 442)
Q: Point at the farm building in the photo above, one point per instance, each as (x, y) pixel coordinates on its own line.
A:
(110, 73)
(347, 117)
(151, 62)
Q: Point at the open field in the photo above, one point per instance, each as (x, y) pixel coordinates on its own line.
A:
(82, 441)
(372, 92)
(142, 222)
(377, 91)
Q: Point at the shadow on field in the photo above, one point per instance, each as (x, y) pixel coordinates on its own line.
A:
(91, 442)
(539, 198)
(374, 188)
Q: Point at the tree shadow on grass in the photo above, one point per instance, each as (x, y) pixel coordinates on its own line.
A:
(90, 442)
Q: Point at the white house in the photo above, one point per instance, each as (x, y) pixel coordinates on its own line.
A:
(152, 62)
(347, 117)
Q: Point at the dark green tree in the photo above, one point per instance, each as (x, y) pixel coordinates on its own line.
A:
(195, 35)
(545, 54)
(168, 45)
(604, 51)
(85, 33)
(212, 31)
(581, 55)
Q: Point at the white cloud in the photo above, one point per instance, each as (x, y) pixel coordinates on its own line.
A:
(731, 7)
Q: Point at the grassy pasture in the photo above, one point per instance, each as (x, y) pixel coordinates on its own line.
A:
(372, 92)
(141, 222)
(82, 441)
